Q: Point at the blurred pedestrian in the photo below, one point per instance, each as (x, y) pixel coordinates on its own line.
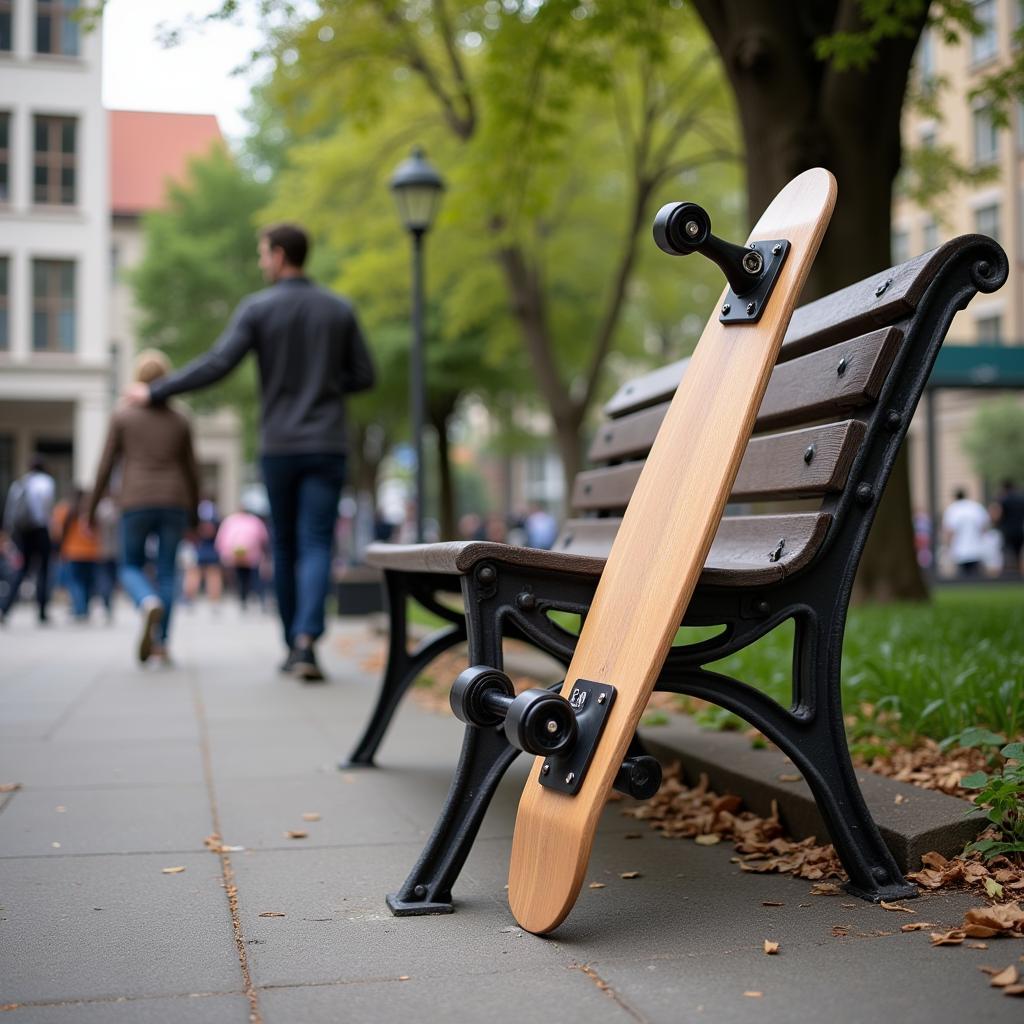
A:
(1008, 515)
(27, 514)
(541, 528)
(205, 573)
(78, 544)
(159, 496)
(311, 354)
(242, 544)
(964, 524)
(108, 526)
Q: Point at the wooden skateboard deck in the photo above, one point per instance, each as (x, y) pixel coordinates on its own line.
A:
(659, 553)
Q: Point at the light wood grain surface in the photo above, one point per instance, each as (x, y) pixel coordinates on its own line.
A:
(658, 554)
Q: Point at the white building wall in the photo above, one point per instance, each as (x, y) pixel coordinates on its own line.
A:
(32, 84)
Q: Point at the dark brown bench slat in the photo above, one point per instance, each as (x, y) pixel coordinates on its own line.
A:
(740, 555)
(774, 467)
(884, 298)
(802, 389)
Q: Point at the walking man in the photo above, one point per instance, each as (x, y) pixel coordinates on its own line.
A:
(27, 519)
(311, 353)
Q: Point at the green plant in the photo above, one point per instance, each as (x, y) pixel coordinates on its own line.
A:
(1002, 792)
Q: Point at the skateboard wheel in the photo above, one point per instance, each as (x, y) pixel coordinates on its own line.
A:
(469, 690)
(639, 777)
(540, 722)
(681, 228)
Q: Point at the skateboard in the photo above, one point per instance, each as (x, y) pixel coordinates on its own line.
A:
(660, 548)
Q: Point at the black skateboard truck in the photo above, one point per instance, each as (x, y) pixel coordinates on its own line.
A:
(684, 228)
(542, 722)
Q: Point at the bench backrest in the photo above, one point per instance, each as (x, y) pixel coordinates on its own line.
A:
(850, 373)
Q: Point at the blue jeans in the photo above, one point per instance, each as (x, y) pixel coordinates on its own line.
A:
(303, 492)
(137, 526)
(81, 583)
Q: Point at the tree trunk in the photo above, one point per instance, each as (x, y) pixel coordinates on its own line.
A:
(440, 409)
(797, 112)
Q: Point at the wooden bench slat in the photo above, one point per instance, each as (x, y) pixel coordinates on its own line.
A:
(799, 390)
(741, 554)
(774, 467)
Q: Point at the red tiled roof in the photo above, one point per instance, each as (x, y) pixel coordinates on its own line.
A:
(147, 149)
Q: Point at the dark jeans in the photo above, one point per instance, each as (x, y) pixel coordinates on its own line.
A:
(34, 546)
(303, 492)
(168, 526)
(81, 584)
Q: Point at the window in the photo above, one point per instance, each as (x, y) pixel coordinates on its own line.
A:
(5, 25)
(900, 246)
(53, 179)
(986, 220)
(5, 157)
(57, 27)
(53, 306)
(4, 304)
(989, 329)
(930, 234)
(985, 45)
(986, 137)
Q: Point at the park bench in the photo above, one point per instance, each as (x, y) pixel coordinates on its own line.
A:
(852, 368)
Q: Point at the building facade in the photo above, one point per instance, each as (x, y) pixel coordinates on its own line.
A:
(56, 385)
(993, 207)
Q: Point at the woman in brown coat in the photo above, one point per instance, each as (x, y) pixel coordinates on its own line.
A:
(158, 496)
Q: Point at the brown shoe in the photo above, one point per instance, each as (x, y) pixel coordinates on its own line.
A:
(151, 609)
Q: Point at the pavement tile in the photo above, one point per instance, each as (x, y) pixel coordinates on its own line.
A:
(72, 764)
(186, 1009)
(532, 996)
(104, 927)
(114, 819)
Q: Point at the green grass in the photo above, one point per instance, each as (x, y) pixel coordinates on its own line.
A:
(909, 671)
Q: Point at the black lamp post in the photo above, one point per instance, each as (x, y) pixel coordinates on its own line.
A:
(417, 188)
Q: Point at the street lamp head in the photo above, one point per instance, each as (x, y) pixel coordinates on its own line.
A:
(417, 188)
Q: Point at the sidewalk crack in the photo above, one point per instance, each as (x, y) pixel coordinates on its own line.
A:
(610, 992)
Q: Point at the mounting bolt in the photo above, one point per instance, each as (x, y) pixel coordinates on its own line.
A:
(809, 454)
(692, 228)
(893, 420)
(420, 891)
(551, 725)
(762, 608)
(751, 307)
(725, 309)
(602, 697)
(526, 601)
(841, 367)
(865, 493)
(546, 770)
(753, 262)
(776, 249)
(569, 778)
(883, 288)
(487, 574)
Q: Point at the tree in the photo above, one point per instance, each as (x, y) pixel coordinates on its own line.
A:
(995, 441)
(559, 125)
(824, 83)
(200, 260)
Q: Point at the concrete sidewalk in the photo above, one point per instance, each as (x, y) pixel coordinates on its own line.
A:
(126, 772)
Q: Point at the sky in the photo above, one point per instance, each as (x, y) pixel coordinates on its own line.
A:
(193, 77)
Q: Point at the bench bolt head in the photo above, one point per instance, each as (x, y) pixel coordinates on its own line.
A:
(893, 420)
(487, 574)
(420, 891)
(841, 367)
(809, 454)
(865, 493)
(763, 607)
(883, 288)
(526, 601)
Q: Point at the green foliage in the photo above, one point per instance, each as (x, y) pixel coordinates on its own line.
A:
(995, 440)
(1001, 791)
(200, 260)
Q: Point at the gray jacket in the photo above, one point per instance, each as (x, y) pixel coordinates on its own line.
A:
(311, 354)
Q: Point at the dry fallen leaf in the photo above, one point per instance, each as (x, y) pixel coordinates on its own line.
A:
(295, 833)
(172, 871)
(950, 938)
(403, 977)
(9, 787)
(311, 816)
(772, 903)
(271, 913)
(711, 839)
(917, 926)
(596, 885)
(753, 995)
(1008, 976)
(895, 906)
(977, 945)
(899, 799)
(630, 874)
(993, 889)
(770, 947)
(633, 835)
(825, 889)
(1013, 990)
